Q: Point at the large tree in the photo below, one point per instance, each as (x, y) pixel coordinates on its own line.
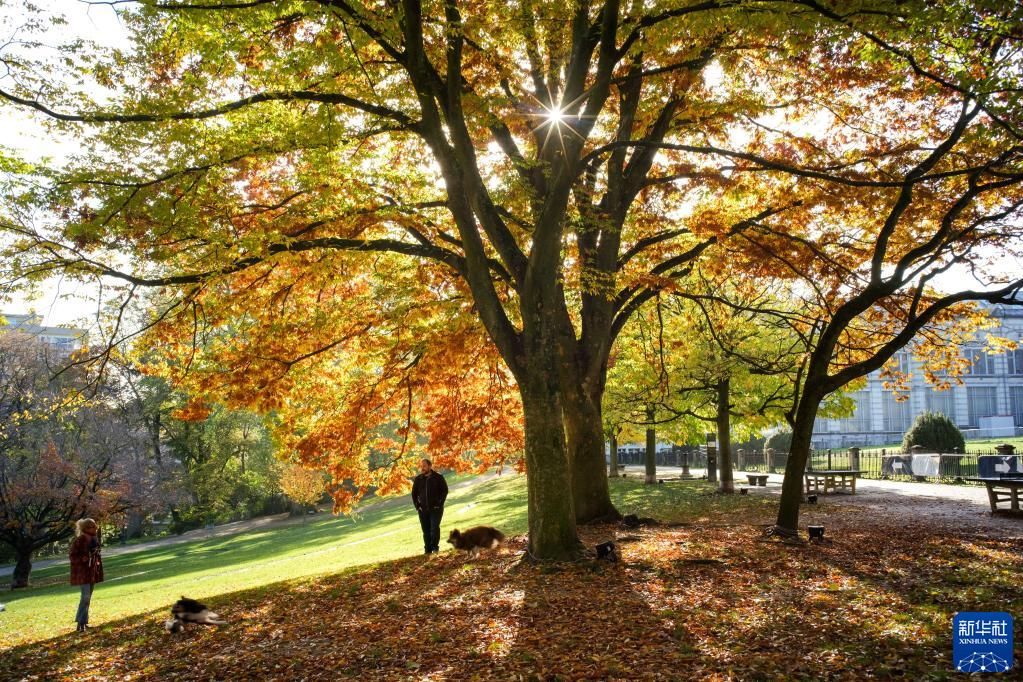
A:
(556, 164)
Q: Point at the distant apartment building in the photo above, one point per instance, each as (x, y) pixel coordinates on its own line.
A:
(989, 404)
(60, 340)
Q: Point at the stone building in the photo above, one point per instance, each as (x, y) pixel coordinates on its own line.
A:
(989, 404)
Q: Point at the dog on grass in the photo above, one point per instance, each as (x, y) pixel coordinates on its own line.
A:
(187, 610)
(475, 539)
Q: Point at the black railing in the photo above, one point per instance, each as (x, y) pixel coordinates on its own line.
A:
(890, 465)
(697, 457)
(875, 464)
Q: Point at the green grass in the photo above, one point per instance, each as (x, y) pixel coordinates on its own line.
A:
(992, 442)
(153, 579)
(150, 580)
(971, 445)
(688, 502)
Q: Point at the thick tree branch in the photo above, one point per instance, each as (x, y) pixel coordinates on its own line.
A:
(406, 122)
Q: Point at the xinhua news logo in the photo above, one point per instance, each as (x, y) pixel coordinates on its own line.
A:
(982, 641)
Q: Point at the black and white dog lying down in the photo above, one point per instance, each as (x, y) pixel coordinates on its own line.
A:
(187, 610)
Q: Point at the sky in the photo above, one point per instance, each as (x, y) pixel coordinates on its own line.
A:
(61, 302)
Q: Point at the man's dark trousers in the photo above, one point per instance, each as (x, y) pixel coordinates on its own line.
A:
(430, 521)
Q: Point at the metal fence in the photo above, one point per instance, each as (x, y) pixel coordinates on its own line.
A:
(877, 464)
(695, 455)
(890, 464)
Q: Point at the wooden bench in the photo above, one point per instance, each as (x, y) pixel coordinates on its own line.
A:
(757, 479)
(1002, 490)
(831, 481)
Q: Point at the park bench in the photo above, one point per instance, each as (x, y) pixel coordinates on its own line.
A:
(757, 479)
(1001, 489)
(832, 480)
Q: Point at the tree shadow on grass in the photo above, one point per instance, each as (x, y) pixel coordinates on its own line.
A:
(440, 617)
(597, 621)
(686, 603)
(194, 561)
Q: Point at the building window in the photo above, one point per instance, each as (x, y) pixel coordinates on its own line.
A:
(941, 401)
(1016, 395)
(896, 414)
(981, 363)
(860, 419)
(904, 362)
(1014, 359)
(982, 402)
(62, 344)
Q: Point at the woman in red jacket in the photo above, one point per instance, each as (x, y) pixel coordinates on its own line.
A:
(86, 566)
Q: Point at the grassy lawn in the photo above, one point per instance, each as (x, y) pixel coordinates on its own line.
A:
(703, 598)
(152, 580)
(983, 444)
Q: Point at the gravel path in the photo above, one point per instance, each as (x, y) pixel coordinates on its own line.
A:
(964, 508)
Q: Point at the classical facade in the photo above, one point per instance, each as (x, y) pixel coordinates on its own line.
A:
(989, 404)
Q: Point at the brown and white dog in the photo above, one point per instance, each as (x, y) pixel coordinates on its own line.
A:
(475, 539)
(187, 610)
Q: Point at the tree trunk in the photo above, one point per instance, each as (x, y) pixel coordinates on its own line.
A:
(133, 526)
(585, 436)
(724, 426)
(22, 567)
(552, 525)
(651, 448)
(614, 456)
(799, 452)
(154, 435)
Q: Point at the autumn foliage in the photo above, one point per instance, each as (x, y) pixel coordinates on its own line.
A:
(424, 226)
(301, 485)
(62, 456)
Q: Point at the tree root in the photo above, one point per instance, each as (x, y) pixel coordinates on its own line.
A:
(579, 553)
(633, 521)
(786, 535)
(613, 516)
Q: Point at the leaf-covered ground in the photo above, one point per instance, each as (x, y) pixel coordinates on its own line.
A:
(703, 600)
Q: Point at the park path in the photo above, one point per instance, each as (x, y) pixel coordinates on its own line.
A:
(235, 528)
(960, 507)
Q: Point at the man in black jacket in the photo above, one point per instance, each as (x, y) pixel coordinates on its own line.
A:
(429, 490)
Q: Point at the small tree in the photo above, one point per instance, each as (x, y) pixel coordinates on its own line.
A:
(779, 441)
(934, 431)
(303, 486)
(61, 456)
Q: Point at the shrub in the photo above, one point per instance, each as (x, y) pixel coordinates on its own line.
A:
(751, 444)
(780, 441)
(935, 432)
